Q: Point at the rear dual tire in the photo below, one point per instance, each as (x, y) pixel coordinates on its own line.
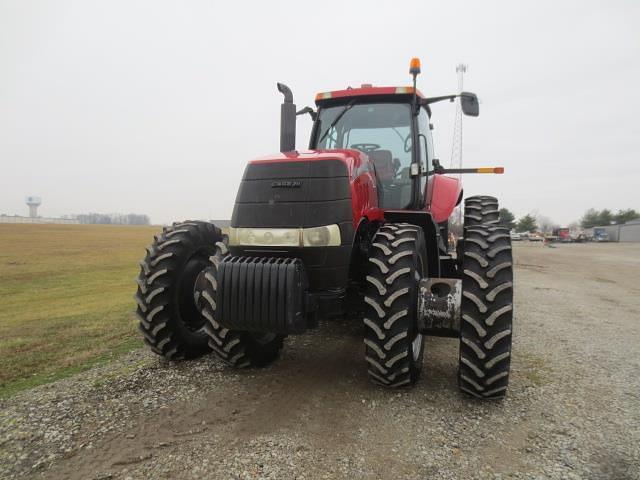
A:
(486, 310)
(481, 210)
(235, 348)
(169, 321)
(176, 300)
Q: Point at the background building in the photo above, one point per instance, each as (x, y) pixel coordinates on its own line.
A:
(627, 232)
(19, 219)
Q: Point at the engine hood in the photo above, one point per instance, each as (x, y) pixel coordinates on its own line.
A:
(353, 159)
(301, 190)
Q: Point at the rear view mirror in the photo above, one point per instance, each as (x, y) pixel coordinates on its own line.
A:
(469, 104)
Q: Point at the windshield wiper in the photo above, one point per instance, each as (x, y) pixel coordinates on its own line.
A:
(336, 120)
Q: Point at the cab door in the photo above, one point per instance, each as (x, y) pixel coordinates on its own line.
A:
(425, 152)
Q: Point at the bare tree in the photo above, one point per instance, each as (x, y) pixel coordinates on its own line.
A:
(456, 223)
(545, 224)
(114, 219)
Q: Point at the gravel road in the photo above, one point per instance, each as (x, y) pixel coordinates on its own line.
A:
(573, 409)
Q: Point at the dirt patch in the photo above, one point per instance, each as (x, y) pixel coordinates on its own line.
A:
(572, 409)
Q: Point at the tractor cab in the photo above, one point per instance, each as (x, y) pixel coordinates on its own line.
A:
(379, 122)
(390, 125)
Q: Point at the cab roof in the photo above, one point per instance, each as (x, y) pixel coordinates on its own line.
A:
(339, 96)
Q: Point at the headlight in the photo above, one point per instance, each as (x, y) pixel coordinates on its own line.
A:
(328, 236)
(265, 237)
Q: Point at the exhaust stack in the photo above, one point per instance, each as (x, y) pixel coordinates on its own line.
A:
(287, 120)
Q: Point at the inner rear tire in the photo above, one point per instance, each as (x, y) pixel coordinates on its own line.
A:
(393, 346)
(481, 210)
(235, 348)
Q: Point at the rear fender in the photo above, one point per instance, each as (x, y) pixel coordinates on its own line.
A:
(442, 195)
(360, 251)
(431, 231)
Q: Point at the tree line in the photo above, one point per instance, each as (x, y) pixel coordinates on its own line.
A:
(595, 218)
(591, 218)
(528, 223)
(114, 219)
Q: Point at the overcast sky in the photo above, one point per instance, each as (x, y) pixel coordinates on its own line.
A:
(155, 107)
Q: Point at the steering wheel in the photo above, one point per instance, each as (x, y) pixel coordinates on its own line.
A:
(365, 147)
(408, 143)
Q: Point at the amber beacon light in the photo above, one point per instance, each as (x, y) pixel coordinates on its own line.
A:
(414, 66)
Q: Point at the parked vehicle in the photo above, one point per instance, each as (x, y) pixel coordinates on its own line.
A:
(579, 238)
(563, 234)
(515, 237)
(356, 225)
(600, 234)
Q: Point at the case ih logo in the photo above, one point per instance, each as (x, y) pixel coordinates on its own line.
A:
(286, 184)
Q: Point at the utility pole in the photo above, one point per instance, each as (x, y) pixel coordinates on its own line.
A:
(456, 144)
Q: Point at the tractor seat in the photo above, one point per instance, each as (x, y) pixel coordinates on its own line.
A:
(382, 159)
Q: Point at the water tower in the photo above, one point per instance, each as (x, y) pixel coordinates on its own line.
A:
(33, 203)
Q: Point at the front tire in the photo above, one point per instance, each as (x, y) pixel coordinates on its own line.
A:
(235, 348)
(170, 322)
(394, 348)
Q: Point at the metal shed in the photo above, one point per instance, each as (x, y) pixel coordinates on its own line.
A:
(630, 231)
(613, 231)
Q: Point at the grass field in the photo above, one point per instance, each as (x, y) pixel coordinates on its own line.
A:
(65, 298)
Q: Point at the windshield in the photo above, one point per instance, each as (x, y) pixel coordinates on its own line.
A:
(383, 132)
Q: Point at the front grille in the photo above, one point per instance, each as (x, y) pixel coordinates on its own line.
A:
(315, 193)
(295, 194)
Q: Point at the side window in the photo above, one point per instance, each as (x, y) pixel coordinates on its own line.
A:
(331, 139)
(426, 144)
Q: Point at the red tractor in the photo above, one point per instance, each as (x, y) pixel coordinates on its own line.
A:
(357, 225)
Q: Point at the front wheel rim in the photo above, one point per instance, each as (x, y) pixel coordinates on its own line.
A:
(416, 346)
(188, 310)
(263, 338)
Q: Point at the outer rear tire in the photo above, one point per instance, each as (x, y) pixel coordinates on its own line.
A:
(235, 348)
(170, 322)
(481, 210)
(393, 346)
(487, 312)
